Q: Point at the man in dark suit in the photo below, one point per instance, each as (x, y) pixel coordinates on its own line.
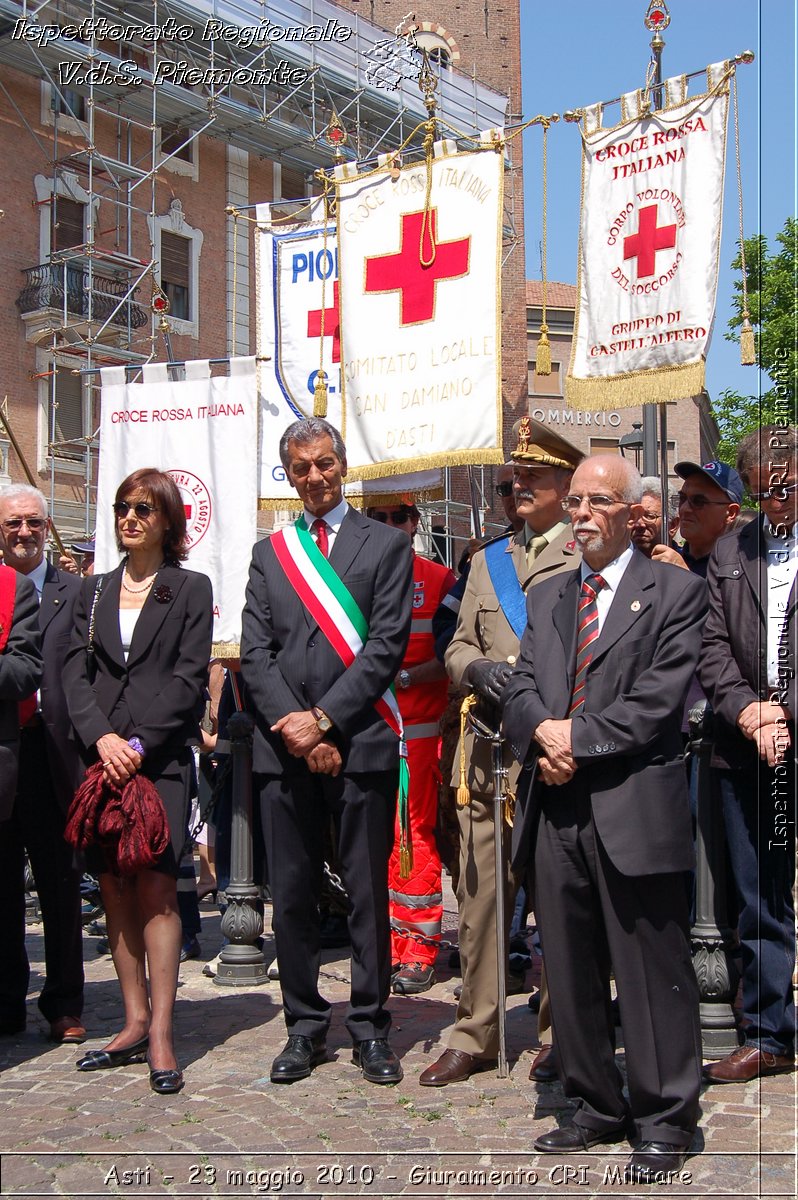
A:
(48, 775)
(592, 711)
(323, 745)
(748, 671)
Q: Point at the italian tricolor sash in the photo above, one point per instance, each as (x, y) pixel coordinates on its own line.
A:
(337, 614)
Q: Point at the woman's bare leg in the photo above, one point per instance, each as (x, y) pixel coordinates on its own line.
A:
(126, 943)
(160, 922)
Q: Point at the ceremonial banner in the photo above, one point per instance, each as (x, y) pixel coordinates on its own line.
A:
(420, 264)
(203, 432)
(298, 313)
(652, 199)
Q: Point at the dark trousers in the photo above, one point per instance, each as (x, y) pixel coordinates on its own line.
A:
(759, 812)
(37, 825)
(592, 918)
(295, 811)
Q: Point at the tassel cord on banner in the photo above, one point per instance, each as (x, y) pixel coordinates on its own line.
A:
(747, 342)
(543, 352)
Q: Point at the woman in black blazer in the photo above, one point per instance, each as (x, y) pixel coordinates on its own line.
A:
(140, 712)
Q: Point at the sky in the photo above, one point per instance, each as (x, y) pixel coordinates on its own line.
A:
(580, 52)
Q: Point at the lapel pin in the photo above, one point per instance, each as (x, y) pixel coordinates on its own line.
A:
(635, 606)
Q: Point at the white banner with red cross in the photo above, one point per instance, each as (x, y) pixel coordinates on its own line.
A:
(652, 200)
(420, 265)
(299, 333)
(203, 431)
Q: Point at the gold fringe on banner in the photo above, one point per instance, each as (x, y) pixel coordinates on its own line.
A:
(226, 650)
(407, 466)
(660, 385)
(543, 351)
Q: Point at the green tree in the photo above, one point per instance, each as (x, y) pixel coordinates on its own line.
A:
(772, 289)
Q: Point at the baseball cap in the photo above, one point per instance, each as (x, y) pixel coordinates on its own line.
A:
(83, 547)
(718, 473)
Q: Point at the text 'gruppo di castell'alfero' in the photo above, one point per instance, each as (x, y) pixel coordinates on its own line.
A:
(179, 71)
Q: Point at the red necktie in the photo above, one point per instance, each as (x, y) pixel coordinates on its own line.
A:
(586, 633)
(26, 709)
(319, 527)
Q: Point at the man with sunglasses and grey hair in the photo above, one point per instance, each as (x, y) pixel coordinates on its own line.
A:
(49, 772)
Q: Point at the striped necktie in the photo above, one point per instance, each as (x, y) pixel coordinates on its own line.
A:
(587, 631)
(319, 527)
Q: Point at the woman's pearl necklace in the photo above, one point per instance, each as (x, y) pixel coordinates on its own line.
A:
(140, 590)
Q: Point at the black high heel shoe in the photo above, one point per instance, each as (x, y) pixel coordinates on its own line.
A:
(166, 1082)
(103, 1060)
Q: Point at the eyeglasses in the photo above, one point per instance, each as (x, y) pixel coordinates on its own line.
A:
(504, 489)
(400, 517)
(780, 492)
(650, 518)
(142, 510)
(699, 502)
(34, 524)
(594, 503)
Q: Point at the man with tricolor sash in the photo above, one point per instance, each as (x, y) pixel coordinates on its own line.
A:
(491, 620)
(325, 627)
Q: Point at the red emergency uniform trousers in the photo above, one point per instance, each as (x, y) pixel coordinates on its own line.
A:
(416, 903)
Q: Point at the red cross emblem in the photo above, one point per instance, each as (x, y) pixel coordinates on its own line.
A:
(644, 244)
(332, 324)
(405, 272)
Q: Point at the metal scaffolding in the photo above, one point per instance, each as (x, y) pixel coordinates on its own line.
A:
(244, 72)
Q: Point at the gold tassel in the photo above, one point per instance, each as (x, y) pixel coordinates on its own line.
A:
(543, 353)
(747, 344)
(463, 794)
(320, 395)
(405, 860)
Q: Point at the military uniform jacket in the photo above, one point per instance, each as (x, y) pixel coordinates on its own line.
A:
(483, 631)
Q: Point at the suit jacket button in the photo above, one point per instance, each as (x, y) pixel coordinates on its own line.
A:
(612, 745)
(312, 643)
(591, 749)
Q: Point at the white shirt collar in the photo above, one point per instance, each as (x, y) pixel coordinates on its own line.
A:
(613, 573)
(333, 518)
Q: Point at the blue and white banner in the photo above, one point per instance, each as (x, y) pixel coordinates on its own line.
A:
(298, 332)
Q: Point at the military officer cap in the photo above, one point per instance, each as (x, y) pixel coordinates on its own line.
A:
(538, 445)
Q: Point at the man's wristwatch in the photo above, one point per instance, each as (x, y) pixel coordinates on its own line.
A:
(403, 679)
(323, 722)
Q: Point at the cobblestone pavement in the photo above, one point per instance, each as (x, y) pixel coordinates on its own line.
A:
(232, 1133)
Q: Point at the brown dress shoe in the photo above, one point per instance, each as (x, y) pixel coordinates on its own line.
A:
(453, 1066)
(543, 1069)
(67, 1029)
(747, 1063)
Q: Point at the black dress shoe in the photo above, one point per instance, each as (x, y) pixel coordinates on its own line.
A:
(103, 1060)
(654, 1162)
(166, 1082)
(575, 1137)
(297, 1059)
(10, 1027)
(377, 1061)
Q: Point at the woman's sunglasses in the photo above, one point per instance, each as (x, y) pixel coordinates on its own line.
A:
(141, 510)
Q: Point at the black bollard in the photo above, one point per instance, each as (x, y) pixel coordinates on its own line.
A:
(711, 937)
(241, 963)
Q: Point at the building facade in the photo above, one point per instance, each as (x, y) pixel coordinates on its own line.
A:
(118, 196)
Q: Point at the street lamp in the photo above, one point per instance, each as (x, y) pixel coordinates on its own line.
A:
(632, 441)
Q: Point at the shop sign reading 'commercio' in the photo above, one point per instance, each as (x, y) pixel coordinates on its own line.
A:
(574, 416)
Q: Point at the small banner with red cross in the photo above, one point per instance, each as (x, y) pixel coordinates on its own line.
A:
(652, 198)
(299, 334)
(420, 261)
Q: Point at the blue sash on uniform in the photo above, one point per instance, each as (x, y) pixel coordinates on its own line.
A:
(509, 592)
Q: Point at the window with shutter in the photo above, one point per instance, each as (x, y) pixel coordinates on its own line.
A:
(292, 185)
(66, 394)
(68, 223)
(175, 274)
